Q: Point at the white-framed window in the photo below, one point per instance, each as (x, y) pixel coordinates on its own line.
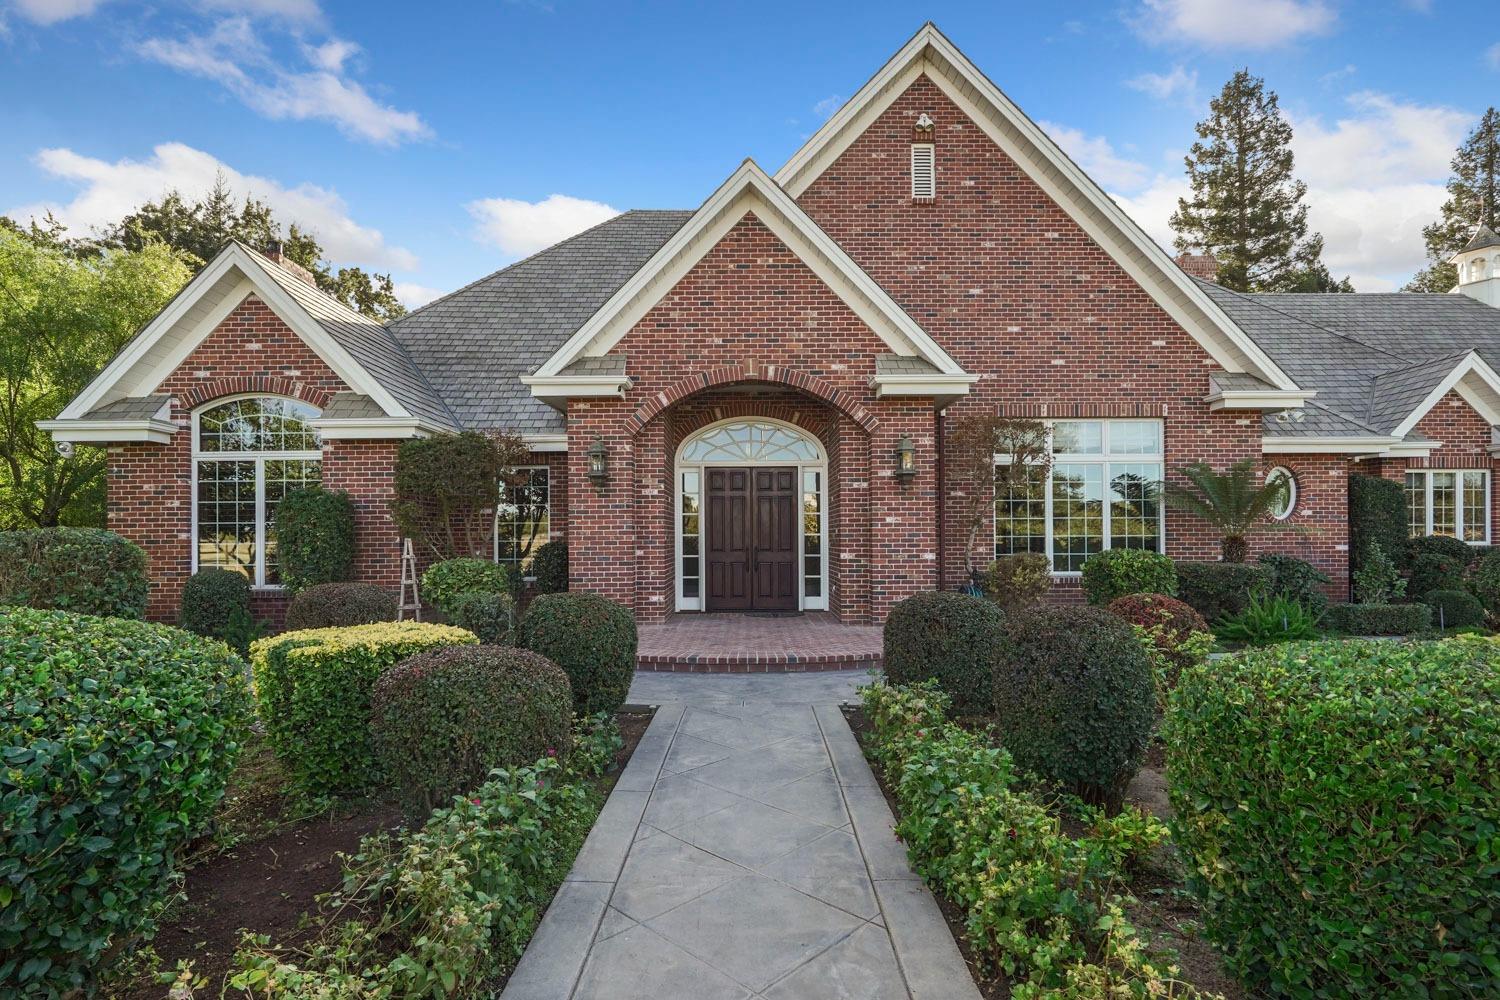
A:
(1453, 502)
(523, 519)
(1101, 492)
(248, 453)
(1288, 503)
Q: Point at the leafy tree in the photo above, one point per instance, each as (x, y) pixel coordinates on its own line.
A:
(445, 485)
(971, 449)
(1246, 207)
(1473, 190)
(1232, 502)
(65, 309)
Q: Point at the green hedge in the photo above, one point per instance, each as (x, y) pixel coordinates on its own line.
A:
(1337, 806)
(550, 567)
(1484, 581)
(592, 639)
(1454, 608)
(1296, 580)
(314, 537)
(313, 689)
(949, 638)
(1378, 619)
(216, 604)
(1117, 572)
(445, 582)
(117, 739)
(1217, 590)
(86, 570)
(336, 605)
(442, 720)
(1377, 513)
(492, 617)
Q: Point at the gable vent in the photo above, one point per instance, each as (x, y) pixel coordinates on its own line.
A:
(923, 172)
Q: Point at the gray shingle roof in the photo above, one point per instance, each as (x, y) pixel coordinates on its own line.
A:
(1237, 381)
(900, 364)
(130, 408)
(351, 406)
(1483, 237)
(474, 344)
(608, 364)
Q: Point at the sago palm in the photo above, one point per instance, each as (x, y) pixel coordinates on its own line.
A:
(1233, 501)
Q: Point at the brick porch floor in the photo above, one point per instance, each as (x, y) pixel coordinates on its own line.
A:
(748, 643)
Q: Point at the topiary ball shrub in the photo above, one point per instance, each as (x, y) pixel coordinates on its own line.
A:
(1117, 572)
(492, 617)
(1019, 580)
(445, 581)
(550, 567)
(86, 570)
(1219, 590)
(441, 721)
(1454, 609)
(216, 604)
(1432, 570)
(1336, 805)
(1074, 699)
(1169, 621)
(336, 605)
(1455, 549)
(592, 639)
(314, 537)
(1297, 580)
(949, 638)
(117, 738)
(1379, 619)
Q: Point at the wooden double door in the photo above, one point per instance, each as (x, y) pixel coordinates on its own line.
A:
(752, 539)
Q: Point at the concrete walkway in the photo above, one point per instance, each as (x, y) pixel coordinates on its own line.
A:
(746, 852)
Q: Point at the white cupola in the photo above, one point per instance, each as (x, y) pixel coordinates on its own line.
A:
(1478, 266)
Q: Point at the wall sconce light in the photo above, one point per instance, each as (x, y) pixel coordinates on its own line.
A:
(906, 458)
(598, 462)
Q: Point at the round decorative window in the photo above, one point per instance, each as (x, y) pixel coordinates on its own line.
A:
(1287, 503)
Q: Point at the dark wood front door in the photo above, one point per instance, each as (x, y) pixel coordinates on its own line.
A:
(752, 539)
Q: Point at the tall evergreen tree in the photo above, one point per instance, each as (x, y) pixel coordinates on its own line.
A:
(1246, 207)
(1473, 191)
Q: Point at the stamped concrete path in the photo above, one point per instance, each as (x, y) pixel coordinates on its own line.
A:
(746, 852)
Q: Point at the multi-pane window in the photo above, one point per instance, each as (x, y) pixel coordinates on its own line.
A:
(1100, 493)
(690, 516)
(1454, 503)
(812, 533)
(249, 454)
(523, 520)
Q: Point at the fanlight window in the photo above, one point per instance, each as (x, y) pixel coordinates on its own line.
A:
(746, 441)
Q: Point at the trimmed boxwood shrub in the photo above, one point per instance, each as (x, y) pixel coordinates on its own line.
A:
(1218, 590)
(1296, 580)
(442, 720)
(1455, 549)
(492, 617)
(314, 537)
(550, 567)
(445, 581)
(1454, 608)
(335, 605)
(1169, 620)
(313, 689)
(1484, 581)
(1377, 513)
(1074, 699)
(87, 570)
(592, 639)
(1433, 570)
(1379, 619)
(1117, 572)
(117, 738)
(949, 638)
(216, 604)
(1018, 580)
(1336, 804)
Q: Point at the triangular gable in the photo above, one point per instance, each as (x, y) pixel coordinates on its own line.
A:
(931, 53)
(1474, 380)
(749, 190)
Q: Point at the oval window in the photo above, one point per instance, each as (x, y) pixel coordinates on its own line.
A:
(1286, 504)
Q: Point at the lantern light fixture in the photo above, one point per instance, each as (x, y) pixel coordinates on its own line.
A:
(598, 462)
(906, 458)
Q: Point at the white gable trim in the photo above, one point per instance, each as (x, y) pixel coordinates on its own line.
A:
(749, 190)
(253, 279)
(1258, 399)
(1474, 380)
(930, 52)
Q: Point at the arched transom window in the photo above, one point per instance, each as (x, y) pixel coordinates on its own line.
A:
(248, 454)
(750, 441)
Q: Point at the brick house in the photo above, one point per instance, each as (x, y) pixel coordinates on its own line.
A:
(743, 407)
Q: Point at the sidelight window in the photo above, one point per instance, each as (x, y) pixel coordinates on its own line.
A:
(523, 520)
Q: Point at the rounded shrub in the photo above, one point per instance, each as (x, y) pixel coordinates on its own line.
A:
(550, 567)
(216, 604)
(1432, 570)
(1018, 580)
(1218, 590)
(949, 638)
(1454, 608)
(492, 617)
(1455, 549)
(1484, 581)
(1117, 572)
(445, 581)
(442, 720)
(592, 639)
(314, 537)
(1297, 580)
(87, 570)
(1074, 699)
(1336, 804)
(1169, 621)
(117, 738)
(335, 605)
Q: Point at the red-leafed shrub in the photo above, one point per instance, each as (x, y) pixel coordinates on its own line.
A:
(1168, 621)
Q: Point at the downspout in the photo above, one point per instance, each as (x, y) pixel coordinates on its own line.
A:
(941, 499)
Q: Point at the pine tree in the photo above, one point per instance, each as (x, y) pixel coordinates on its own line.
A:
(1472, 194)
(1246, 207)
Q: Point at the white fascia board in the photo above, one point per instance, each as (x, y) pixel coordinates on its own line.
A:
(922, 385)
(558, 387)
(1258, 399)
(372, 428)
(1369, 446)
(545, 442)
(153, 431)
(1423, 450)
(1057, 175)
(1471, 376)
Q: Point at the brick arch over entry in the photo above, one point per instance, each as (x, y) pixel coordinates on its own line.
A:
(260, 385)
(840, 399)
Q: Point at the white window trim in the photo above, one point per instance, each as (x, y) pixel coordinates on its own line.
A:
(1458, 512)
(804, 603)
(1291, 500)
(495, 551)
(1103, 457)
(257, 581)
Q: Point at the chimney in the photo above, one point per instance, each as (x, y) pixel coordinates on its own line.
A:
(1199, 265)
(1478, 266)
(276, 252)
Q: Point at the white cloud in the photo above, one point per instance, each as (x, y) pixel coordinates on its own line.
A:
(520, 227)
(1153, 205)
(1180, 84)
(292, 11)
(413, 295)
(46, 12)
(233, 55)
(1098, 158)
(1250, 24)
(108, 191)
(825, 108)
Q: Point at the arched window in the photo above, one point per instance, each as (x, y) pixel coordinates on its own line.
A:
(248, 453)
(750, 441)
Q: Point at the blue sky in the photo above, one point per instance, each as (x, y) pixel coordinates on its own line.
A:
(440, 141)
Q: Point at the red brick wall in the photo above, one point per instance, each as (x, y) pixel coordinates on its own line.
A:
(1465, 439)
(1318, 530)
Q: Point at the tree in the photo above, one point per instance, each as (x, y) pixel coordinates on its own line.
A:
(201, 228)
(1473, 190)
(1232, 502)
(446, 484)
(1246, 207)
(65, 310)
(987, 456)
